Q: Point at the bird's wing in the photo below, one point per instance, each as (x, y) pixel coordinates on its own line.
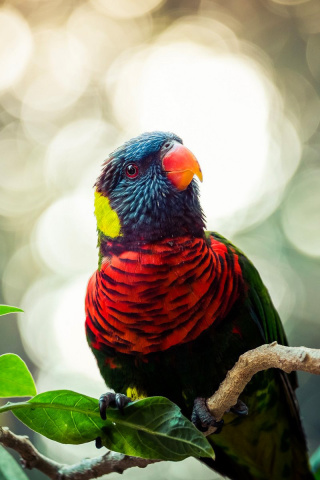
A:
(266, 317)
(262, 309)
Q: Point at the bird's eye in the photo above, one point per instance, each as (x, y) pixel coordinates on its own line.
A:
(132, 170)
(167, 145)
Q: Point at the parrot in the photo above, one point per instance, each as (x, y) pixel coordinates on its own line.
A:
(171, 307)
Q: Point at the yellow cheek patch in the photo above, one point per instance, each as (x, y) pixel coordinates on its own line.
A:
(135, 394)
(107, 219)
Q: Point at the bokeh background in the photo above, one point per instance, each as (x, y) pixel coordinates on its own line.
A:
(238, 80)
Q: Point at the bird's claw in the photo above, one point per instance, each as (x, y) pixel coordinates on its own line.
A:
(98, 442)
(240, 408)
(111, 399)
(202, 418)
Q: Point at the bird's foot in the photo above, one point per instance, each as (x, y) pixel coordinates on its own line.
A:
(202, 418)
(110, 399)
(240, 408)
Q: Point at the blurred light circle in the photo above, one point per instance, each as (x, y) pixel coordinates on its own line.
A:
(20, 270)
(212, 29)
(290, 2)
(219, 97)
(205, 104)
(46, 94)
(281, 281)
(104, 37)
(69, 326)
(313, 55)
(301, 213)
(44, 128)
(37, 127)
(308, 16)
(4, 250)
(21, 174)
(126, 8)
(36, 326)
(15, 46)
(18, 172)
(304, 102)
(224, 107)
(83, 376)
(69, 61)
(65, 235)
(53, 326)
(10, 103)
(60, 73)
(284, 155)
(76, 153)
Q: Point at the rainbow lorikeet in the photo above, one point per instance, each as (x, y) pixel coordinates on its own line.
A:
(172, 307)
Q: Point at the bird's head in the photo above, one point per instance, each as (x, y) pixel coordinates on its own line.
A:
(146, 191)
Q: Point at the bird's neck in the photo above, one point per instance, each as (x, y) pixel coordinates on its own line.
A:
(136, 243)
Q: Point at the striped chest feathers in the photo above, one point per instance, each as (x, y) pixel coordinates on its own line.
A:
(162, 295)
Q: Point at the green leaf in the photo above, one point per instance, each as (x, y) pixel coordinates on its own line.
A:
(9, 468)
(150, 428)
(62, 415)
(4, 309)
(315, 463)
(163, 432)
(15, 378)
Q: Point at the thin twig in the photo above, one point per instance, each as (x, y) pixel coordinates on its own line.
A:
(85, 470)
(251, 362)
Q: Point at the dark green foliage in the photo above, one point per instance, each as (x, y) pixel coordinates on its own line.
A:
(315, 463)
(9, 469)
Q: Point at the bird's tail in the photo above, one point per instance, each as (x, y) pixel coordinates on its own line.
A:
(267, 444)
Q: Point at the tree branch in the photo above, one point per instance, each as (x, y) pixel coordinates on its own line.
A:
(267, 356)
(251, 362)
(85, 470)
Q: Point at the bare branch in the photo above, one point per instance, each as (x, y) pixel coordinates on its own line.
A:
(251, 362)
(85, 470)
(30, 456)
(96, 467)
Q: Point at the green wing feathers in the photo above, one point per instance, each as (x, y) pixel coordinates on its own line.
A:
(271, 438)
(258, 296)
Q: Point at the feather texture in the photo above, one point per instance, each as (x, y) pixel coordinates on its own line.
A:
(160, 295)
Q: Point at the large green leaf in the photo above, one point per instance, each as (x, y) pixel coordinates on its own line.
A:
(161, 431)
(4, 309)
(15, 378)
(62, 415)
(150, 428)
(9, 469)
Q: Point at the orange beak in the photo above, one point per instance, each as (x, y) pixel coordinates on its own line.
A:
(180, 166)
